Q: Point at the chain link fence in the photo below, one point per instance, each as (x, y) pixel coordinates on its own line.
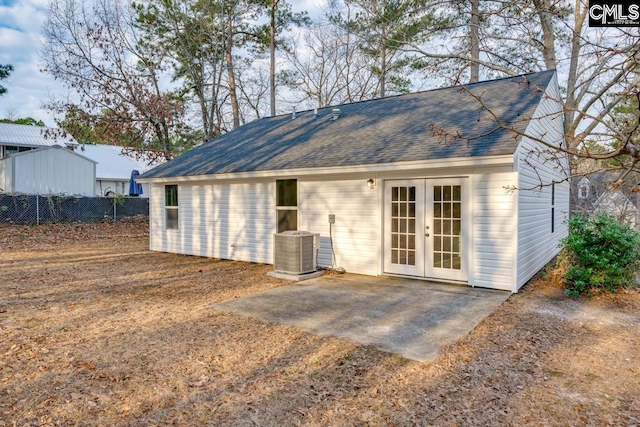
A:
(33, 209)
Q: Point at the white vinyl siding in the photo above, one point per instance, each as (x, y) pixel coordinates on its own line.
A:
(227, 220)
(356, 232)
(537, 245)
(493, 229)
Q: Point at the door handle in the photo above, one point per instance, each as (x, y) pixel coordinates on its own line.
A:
(426, 234)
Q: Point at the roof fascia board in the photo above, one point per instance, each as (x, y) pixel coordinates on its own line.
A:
(458, 162)
(67, 144)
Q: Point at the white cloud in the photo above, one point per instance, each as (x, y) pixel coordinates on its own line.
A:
(312, 7)
(27, 88)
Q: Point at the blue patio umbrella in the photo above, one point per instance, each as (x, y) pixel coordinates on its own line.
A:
(135, 189)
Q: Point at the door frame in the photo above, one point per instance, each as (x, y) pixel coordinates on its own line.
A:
(466, 273)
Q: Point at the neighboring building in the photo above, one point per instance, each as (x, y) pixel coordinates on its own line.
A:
(19, 138)
(595, 193)
(114, 169)
(111, 168)
(47, 170)
(40, 160)
(416, 185)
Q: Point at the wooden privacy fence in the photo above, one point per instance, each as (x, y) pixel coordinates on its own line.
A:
(35, 209)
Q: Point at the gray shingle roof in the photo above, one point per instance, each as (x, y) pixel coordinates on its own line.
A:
(394, 129)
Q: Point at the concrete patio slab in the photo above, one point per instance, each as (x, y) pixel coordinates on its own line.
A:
(411, 317)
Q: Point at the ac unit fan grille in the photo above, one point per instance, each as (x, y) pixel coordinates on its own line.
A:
(294, 253)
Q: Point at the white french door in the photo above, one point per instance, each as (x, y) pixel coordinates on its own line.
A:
(426, 227)
(404, 225)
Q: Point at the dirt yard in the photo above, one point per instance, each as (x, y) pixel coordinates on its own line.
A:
(97, 330)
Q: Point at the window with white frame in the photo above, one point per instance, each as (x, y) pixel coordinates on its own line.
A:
(171, 207)
(287, 204)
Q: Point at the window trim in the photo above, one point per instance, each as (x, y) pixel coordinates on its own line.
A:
(168, 208)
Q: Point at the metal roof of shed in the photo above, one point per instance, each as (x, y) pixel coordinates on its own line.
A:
(33, 136)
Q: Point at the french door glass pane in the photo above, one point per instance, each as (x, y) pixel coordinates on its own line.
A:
(446, 210)
(446, 244)
(446, 260)
(455, 261)
(446, 193)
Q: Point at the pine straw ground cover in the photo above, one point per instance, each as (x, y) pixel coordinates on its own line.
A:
(97, 330)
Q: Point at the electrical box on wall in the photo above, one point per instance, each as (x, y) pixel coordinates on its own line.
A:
(332, 219)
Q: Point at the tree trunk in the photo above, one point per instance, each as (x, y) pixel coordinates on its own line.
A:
(383, 64)
(475, 48)
(235, 110)
(272, 65)
(546, 22)
(571, 102)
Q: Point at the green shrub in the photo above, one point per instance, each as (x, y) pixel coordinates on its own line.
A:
(603, 254)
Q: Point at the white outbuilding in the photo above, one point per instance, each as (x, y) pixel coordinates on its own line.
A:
(47, 170)
(459, 184)
(40, 160)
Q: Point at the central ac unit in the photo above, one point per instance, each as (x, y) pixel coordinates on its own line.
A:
(294, 252)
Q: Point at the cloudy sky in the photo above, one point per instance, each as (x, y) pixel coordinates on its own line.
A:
(28, 88)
